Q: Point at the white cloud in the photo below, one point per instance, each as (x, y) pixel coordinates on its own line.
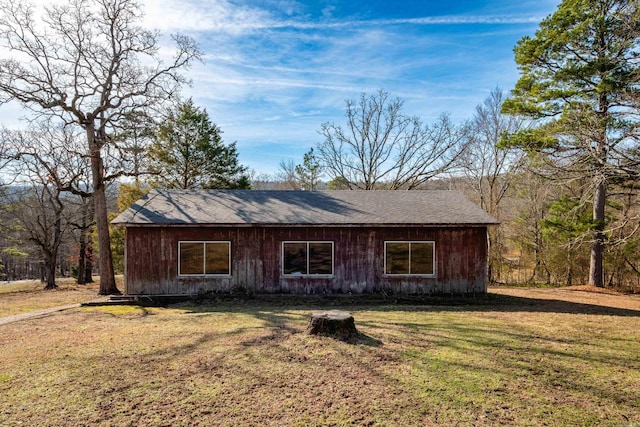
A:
(273, 74)
(191, 16)
(231, 18)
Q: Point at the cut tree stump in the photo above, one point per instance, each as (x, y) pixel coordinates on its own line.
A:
(338, 324)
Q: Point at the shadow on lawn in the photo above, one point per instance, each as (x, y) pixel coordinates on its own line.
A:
(491, 302)
(508, 303)
(495, 356)
(276, 317)
(284, 318)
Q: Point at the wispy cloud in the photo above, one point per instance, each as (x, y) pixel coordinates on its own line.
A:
(283, 83)
(276, 70)
(429, 20)
(189, 16)
(226, 17)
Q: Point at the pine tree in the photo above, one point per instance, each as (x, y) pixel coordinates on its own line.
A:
(579, 82)
(189, 153)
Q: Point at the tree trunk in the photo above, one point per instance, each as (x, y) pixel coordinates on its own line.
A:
(88, 272)
(107, 277)
(596, 261)
(82, 242)
(82, 250)
(596, 271)
(50, 270)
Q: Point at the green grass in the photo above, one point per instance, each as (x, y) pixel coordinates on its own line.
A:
(519, 361)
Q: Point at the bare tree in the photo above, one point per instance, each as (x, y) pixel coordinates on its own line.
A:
(287, 176)
(534, 195)
(6, 158)
(489, 170)
(39, 210)
(61, 151)
(59, 154)
(382, 147)
(88, 63)
(83, 224)
(138, 132)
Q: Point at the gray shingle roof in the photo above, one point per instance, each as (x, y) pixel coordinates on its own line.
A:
(251, 207)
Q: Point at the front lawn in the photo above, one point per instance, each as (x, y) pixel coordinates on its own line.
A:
(527, 357)
(29, 295)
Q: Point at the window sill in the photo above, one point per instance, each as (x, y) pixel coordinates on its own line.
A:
(204, 276)
(423, 276)
(307, 276)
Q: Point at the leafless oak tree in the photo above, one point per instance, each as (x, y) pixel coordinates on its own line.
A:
(88, 63)
(61, 155)
(38, 209)
(287, 176)
(489, 170)
(380, 147)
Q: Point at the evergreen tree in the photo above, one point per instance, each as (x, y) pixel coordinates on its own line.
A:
(579, 82)
(189, 153)
(563, 229)
(309, 171)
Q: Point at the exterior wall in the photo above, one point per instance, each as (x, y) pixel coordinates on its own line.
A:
(152, 264)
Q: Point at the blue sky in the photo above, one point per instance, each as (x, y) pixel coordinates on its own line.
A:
(275, 70)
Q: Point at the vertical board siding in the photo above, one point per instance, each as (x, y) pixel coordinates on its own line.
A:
(256, 265)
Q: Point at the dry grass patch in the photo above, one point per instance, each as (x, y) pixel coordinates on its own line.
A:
(25, 296)
(519, 361)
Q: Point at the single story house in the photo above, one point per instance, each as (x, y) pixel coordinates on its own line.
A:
(305, 242)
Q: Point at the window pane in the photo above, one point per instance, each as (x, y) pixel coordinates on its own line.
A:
(191, 258)
(217, 258)
(422, 258)
(397, 256)
(320, 258)
(295, 258)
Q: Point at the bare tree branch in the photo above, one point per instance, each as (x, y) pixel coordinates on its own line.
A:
(88, 63)
(382, 148)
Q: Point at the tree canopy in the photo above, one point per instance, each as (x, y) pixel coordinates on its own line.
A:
(579, 81)
(88, 63)
(309, 171)
(189, 153)
(380, 146)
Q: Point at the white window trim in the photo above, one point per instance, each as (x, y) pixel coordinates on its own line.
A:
(433, 243)
(204, 261)
(307, 243)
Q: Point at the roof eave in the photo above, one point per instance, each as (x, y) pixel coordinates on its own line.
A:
(274, 225)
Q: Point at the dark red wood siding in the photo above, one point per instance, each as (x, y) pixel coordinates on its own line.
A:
(152, 264)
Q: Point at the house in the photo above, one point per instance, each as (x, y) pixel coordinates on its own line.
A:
(322, 242)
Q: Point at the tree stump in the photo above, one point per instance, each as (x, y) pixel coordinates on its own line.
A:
(338, 324)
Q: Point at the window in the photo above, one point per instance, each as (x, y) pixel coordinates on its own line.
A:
(204, 258)
(409, 258)
(307, 258)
